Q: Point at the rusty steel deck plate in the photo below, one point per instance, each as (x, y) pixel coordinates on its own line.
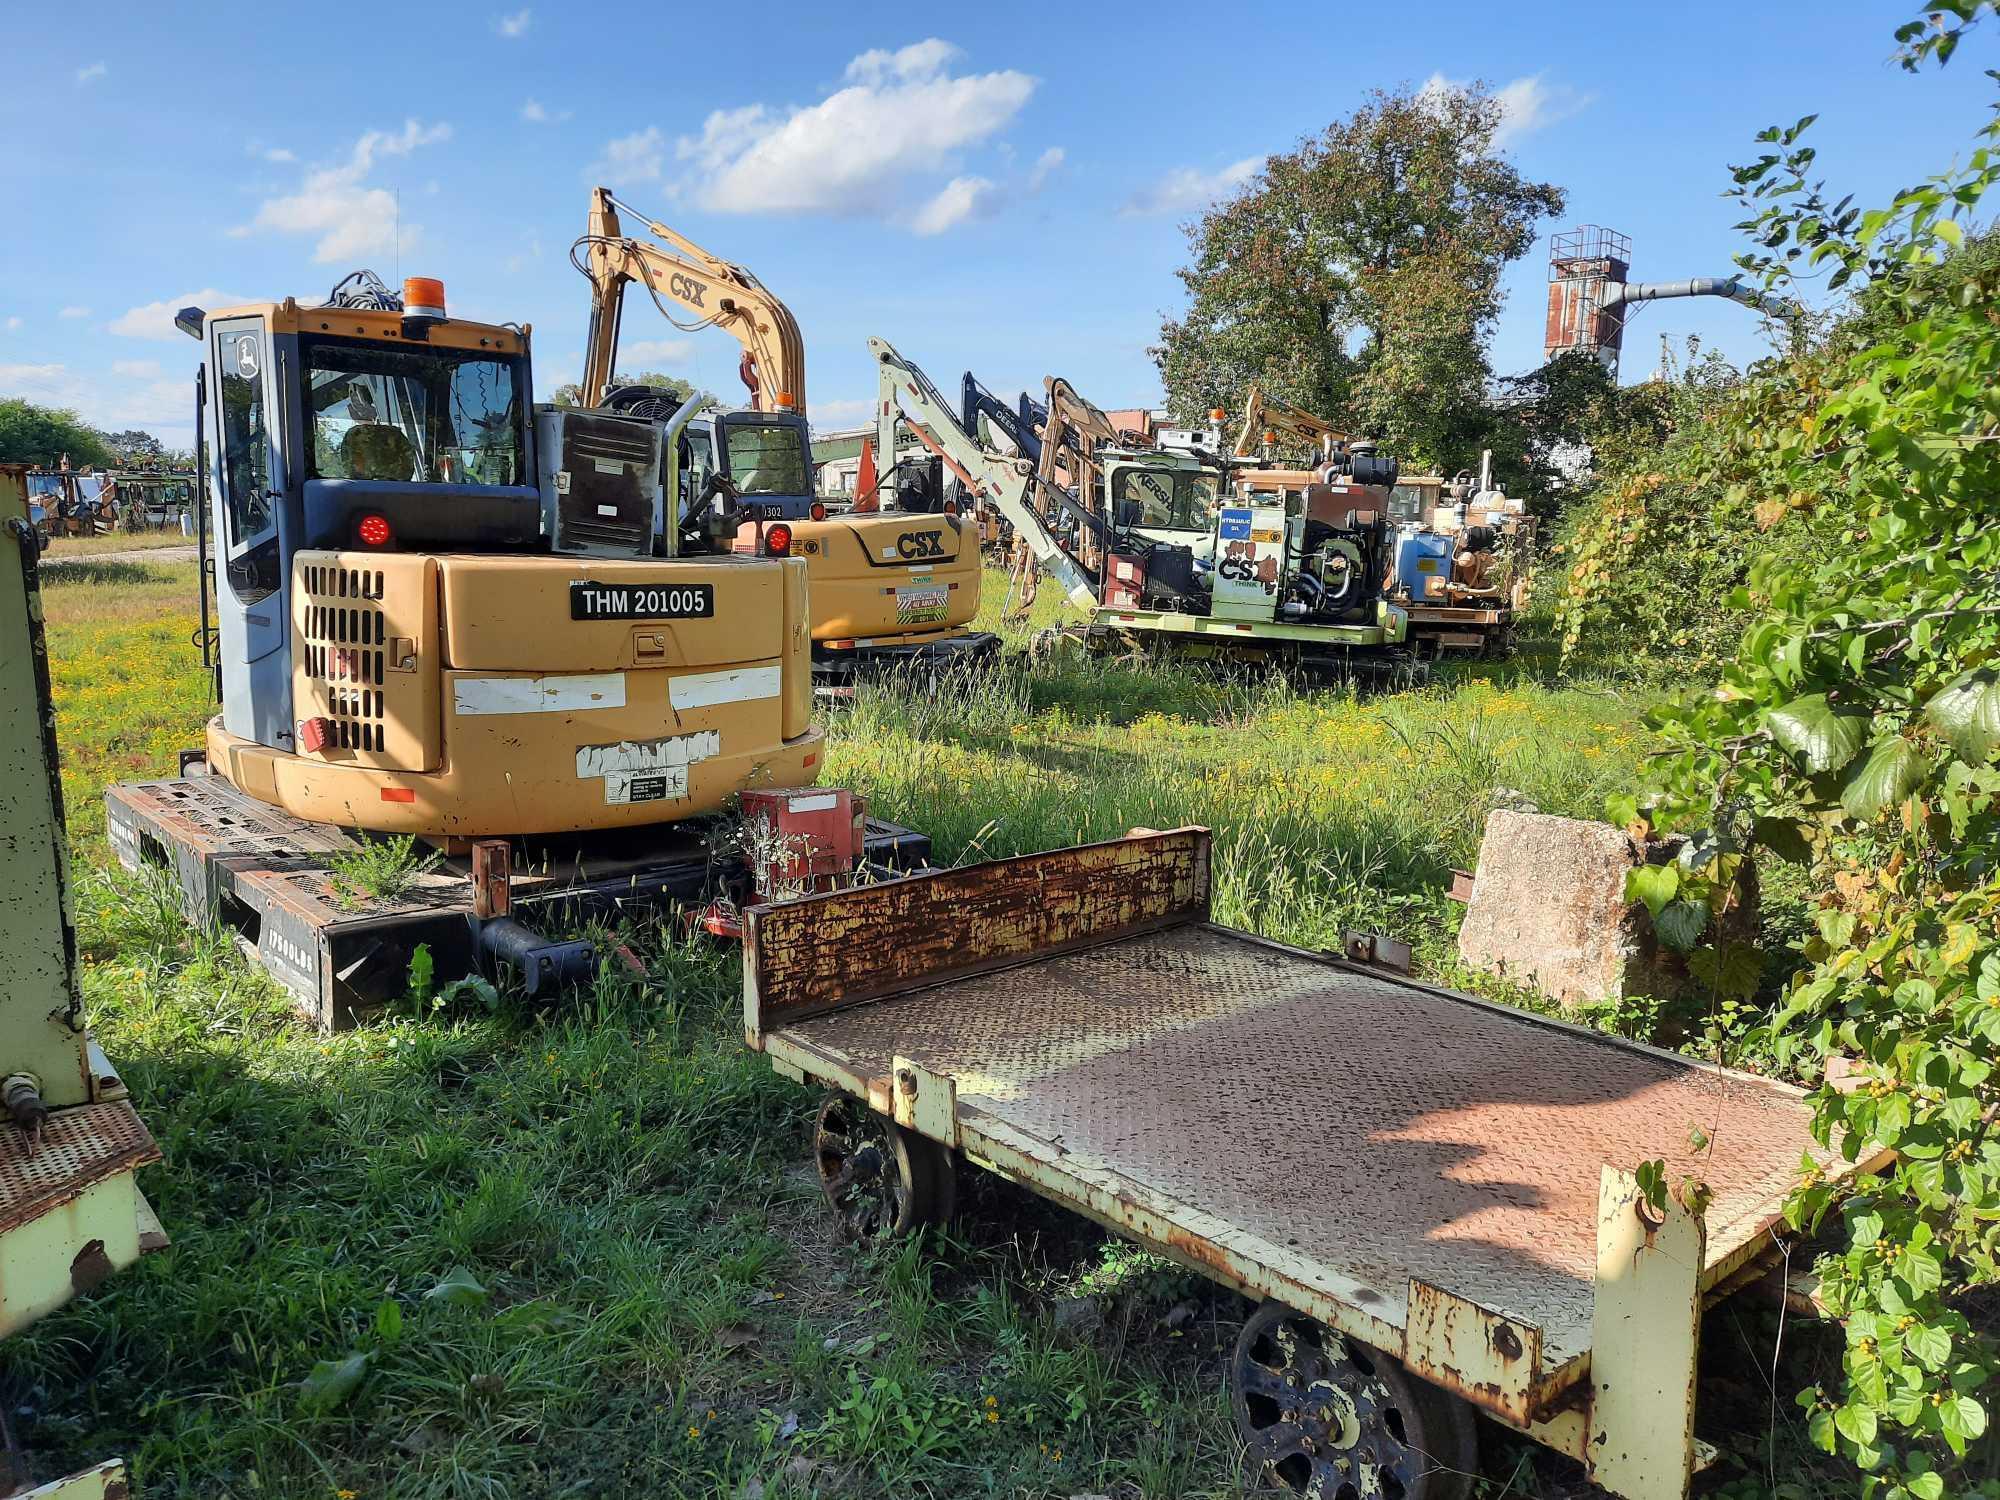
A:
(80, 1146)
(1378, 1130)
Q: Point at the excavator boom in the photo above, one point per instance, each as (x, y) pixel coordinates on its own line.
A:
(907, 393)
(717, 292)
(1267, 419)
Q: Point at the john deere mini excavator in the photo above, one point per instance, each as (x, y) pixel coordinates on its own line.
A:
(439, 612)
(895, 581)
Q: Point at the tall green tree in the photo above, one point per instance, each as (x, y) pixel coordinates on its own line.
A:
(31, 434)
(1359, 275)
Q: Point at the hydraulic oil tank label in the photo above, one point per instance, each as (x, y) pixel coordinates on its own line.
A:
(1235, 525)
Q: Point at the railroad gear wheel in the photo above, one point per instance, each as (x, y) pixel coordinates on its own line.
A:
(881, 1180)
(1322, 1415)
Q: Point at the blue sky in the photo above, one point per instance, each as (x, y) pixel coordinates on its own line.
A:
(989, 187)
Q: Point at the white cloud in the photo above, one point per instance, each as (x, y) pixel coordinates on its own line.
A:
(263, 152)
(923, 59)
(155, 320)
(1185, 189)
(1527, 104)
(513, 27)
(91, 72)
(13, 323)
(136, 369)
(960, 200)
(898, 116)
(655, 353)
(537, 113)
(336, 203)
(639, 157)
(51, 385)
(1045, 167)
(162, 407)
(74, 312)
(831, 414)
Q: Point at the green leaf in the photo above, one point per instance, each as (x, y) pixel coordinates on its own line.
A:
(1655, 885)
(1961, 1419)
(1823, 737)
(458, 1287)
(1928, 1343)
(1967, 714)
(1733, 969)
(1784, 837)
(389, 1321)
(1680, 923)
(1856, 1423)
(1892, 771)
(331, 1382)
(1950, 232)
(1919, 1271)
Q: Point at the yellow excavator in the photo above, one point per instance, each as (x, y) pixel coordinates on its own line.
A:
(894, 584)
(442, 611)
(1271, 425)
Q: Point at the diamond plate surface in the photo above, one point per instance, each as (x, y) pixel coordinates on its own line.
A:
(81, 1145)
(1382, 1130)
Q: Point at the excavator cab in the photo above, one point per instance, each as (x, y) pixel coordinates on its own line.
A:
(405, 641)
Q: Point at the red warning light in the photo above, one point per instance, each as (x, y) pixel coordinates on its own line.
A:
(778, 539)
(374, 531)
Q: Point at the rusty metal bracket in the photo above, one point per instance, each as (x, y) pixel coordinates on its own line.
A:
(924, 1101)
(492, 879)
(1487, 1357)
(1377, 950)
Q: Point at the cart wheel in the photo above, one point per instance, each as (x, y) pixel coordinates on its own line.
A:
(1323, 1415)
(882, 1181)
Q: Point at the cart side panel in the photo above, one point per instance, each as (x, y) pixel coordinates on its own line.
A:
(826, 952)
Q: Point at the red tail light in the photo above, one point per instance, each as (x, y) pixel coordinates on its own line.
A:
(374, 531)
(818, 511)
(777, 539)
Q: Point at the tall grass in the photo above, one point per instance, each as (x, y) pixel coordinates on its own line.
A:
(641, 1294)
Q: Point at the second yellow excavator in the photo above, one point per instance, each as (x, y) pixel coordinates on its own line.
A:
(896, 586)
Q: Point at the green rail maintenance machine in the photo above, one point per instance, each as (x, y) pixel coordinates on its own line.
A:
(71, 1144)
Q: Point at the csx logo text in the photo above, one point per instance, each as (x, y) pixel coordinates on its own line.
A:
(1237, 569)
(687, 289)
(913, 544)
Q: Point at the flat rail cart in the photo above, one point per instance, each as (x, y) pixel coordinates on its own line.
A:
(1433, 1197)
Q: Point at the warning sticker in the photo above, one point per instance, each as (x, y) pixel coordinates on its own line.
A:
(653, 786)
(646, 770)
(922, 606)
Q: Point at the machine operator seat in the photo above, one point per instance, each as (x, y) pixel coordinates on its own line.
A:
(377, 450)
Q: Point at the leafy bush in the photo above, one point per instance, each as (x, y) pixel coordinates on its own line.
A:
(1855, 728)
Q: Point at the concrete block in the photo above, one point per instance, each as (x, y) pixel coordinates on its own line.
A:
(1548, 910)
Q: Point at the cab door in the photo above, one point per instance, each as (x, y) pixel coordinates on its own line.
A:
(247, 480)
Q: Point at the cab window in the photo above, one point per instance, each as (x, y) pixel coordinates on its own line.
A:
(766, 458)
(246, 447)
(413, 416)
(1166, 499)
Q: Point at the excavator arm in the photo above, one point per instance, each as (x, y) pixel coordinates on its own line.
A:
(1269, 420)
(683, 274)
(976, 401)
(906, 393)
